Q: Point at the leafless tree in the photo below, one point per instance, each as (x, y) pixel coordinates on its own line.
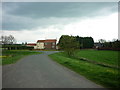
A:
(102, 40)
(8, 39)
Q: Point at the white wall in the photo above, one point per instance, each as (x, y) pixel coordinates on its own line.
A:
(39, 45)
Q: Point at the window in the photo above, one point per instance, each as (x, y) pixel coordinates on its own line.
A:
(53, 46)
(53, 43)
(45, 43)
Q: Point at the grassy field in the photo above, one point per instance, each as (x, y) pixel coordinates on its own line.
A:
(107, 57)
(107, 77)
(12, 56)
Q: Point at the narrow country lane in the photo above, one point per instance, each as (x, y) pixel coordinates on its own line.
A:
(39, 71)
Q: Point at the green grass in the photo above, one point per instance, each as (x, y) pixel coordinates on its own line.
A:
(106, 57)
(107, 77)
(12, 56)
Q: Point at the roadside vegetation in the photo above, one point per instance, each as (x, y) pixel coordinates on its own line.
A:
(105, 76)
(12, 56)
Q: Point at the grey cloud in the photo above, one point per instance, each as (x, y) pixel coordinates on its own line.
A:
(27, 15)
(36, 10)
(20, 23)
(62, 9)
(15, 23)
(60, 0)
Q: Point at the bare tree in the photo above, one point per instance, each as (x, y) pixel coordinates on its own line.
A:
(102, 40)
(11, 39)
(7, 39)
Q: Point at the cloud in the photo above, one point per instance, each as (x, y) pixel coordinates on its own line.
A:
(20, 23)
(28, 15)
(56, 9)
(33, 21)
(98, 27)
(34, 35)
(60, 1)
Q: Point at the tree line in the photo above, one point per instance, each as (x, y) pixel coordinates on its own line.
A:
(110, 44)
(71, 43)
(16, 47)
(82, 42)
(85, 42)
(9, 43)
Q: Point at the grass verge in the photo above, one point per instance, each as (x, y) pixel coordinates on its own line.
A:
(107, 77)
(12, 56)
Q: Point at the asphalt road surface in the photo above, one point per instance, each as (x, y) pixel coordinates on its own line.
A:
(39, 71)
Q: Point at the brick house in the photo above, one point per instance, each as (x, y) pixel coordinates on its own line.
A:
(46, 44)
(40, 44)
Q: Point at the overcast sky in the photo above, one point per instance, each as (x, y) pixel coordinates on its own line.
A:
(31, 21)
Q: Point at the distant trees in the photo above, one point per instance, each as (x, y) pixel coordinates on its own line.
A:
(102, 40)
(85, 42)
(9, 43)
(24, 43)
(109, 45)
(7, 39)
(16, 47)
(72, 43)
(116, 44)
(112, 44)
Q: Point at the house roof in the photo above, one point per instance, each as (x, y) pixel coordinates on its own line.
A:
(47, 40)
(31, 44)
(40, 40)
(50, 40)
